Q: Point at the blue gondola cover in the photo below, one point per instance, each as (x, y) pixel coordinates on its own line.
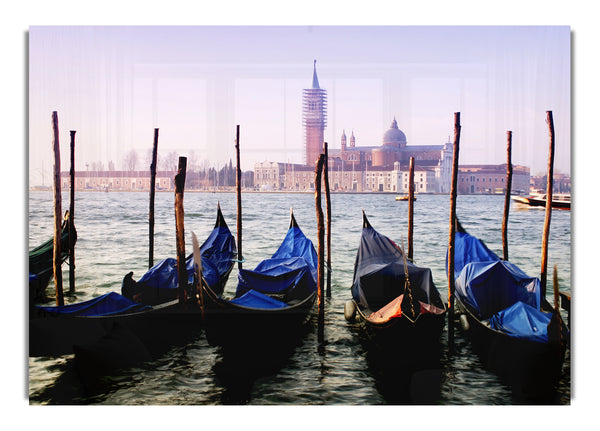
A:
(498, 291)
(254, 299)
(105, 305)
(470, 249)
(291, 272)
(522, 321)
(490, 287)
(217, 253)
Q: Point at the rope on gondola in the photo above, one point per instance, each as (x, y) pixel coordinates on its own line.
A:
(407, 283)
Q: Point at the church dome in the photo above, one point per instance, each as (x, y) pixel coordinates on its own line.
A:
(394, 136)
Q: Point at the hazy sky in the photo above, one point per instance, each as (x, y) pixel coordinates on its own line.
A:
(114, 85)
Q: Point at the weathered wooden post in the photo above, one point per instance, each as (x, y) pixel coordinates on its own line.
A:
(328, 212)
(549, 190)
(565, 303)
(556, 289)
(238, 186)
(411, 210)
(509, 172)
(58, 282)
(152, 192)
(451, 239)
(179, 229)
(321, 238)
(72, 218)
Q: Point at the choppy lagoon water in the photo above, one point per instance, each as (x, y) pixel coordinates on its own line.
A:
(113, 240)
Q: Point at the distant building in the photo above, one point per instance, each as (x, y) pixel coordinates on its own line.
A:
(117, 180)
(561, 183)
(433, 161)
(274, 176)
(491, 179)
(270, 176)
(314, 117)
(378, 168)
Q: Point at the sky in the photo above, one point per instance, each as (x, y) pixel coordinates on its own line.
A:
(114, 85)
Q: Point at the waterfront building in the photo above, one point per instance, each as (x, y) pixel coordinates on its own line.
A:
(343, 177)
(357, 168)
(491, 179)
(433, 163)
(396, 179)
(268, 176)
(561, 183)
(117, 180)
(314, 118)
(273, 176)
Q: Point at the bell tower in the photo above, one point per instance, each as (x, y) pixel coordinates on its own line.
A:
(314, 117)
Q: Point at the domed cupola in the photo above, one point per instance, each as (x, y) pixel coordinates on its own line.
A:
(394, 136)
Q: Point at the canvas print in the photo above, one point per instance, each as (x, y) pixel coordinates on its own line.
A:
(299, 215)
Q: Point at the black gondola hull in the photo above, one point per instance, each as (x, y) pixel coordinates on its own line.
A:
(404, 357)
(532, 369)
(229, 325)
(400, 333)
(41, 261)
(53, 334)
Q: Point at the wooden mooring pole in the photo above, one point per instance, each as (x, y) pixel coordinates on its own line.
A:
(451, 238)
(549, 187)
(321, 238)
(556, 288)
(509, 172)
(411, 197)
(72, 218)
(152, 193)
(238, 187)
(58, 282)
(328, 213)
(179, 229)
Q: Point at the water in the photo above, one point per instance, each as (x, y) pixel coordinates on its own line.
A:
(113, 240)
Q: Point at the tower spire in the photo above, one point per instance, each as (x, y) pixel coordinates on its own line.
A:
(314, 118)
(315, 83)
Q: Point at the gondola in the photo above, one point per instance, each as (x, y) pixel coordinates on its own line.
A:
(271, 303)
(398, 316)
(516, 332)
(41, 260)
(160, 283)
(395, 302)
(60, 330)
